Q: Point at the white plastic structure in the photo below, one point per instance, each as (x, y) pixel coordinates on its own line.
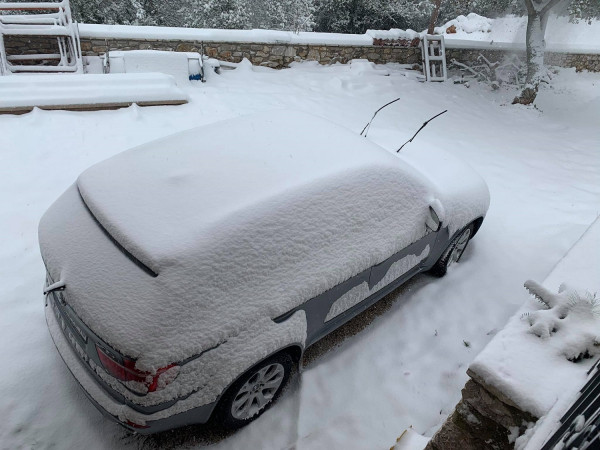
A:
(434, 57)
(183, 66)
(40, 19)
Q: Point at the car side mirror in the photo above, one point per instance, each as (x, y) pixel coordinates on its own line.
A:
(436, 215)
(433, 222)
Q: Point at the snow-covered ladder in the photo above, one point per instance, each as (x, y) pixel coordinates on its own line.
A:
(45, 20)
(434, 57)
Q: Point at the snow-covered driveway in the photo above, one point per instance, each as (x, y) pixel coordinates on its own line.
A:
(408, 366)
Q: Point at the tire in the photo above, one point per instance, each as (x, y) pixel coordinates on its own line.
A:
(453, 252)
(248, 398)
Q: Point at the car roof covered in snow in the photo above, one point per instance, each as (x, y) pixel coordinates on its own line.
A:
(241, 221)
(156, 199)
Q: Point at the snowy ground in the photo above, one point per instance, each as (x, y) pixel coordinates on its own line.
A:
(408, 365)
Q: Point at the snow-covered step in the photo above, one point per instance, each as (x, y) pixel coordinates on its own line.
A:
(97, 91)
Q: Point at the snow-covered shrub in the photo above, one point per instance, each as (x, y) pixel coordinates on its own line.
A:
(571, 322)
(510, 71)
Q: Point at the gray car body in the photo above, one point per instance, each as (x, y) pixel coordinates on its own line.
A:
(457, 206)
(316, 310)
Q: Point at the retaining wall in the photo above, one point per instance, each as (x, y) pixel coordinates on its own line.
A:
(280, 55)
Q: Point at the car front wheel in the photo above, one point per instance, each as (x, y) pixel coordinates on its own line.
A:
(453, 252)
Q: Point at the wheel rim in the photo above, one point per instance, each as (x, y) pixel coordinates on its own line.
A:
(257, 392)
(459, 247)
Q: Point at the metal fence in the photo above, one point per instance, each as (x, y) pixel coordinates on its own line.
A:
(580, 426)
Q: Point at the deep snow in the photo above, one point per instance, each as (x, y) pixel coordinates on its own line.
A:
(408, 366)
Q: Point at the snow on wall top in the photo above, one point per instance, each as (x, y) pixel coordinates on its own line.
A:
(472, 31)
(238, 226)
(219, 35)
(393, 33)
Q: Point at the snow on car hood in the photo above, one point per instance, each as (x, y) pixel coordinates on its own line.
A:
(240, 220)
(462, 192)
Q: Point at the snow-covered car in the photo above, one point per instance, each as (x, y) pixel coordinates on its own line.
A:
(186, 277)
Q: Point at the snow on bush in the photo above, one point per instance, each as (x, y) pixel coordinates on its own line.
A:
(575, 315)
(544, 349)
(510, 71)
(469, 24)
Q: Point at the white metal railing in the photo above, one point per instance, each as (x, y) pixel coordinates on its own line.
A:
(55, 23)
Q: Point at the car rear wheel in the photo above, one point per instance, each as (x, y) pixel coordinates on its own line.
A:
(453, 252)
(255, 391)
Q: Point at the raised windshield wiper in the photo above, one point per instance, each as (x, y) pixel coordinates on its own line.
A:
(58, 286)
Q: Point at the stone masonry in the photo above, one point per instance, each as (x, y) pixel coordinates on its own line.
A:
(581, 61)
(269, 55)
(281, 55)
(483, 419)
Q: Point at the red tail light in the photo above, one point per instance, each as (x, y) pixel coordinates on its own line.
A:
(126, 371)
(135, 425)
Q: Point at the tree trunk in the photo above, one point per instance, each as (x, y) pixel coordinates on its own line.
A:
(434, 16)
(537, 18)
(534, 40)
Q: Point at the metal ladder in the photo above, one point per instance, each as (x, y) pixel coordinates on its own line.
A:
(42, 20)
(434, 57)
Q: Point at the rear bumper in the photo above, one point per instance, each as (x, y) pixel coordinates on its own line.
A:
(126, 416)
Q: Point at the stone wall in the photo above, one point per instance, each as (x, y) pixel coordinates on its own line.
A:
(281, 55)
(484, 418)
(581, 61)
(270, 55)
(577, 60)
(27, 45)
